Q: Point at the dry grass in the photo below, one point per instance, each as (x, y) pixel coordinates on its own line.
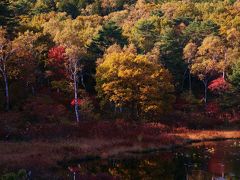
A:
(100, 139)
(46, 154)
(42, 156)
(209, 135)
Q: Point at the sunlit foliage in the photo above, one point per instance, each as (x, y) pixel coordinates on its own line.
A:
(134, 81)
(55, 44)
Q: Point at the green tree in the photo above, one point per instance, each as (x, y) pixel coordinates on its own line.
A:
(198, 30)
(145, 33)
(72, 7)
(22, 7)
(43, 6)
(171, 53)
(7, 18)
(108, 35)
(235, 75)
(96, 7)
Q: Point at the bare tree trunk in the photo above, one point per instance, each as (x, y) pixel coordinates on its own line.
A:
(225, 60)
(6, 91)
(33, 90)
(205, 90)
(190, 82)
(76, 95)
(133, 110)
(115, 108)
(82, 81)
(185, 72)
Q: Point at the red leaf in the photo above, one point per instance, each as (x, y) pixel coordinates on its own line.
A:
(79, 101)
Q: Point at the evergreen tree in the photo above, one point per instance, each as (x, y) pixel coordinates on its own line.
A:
(107, 36)
(7, 16)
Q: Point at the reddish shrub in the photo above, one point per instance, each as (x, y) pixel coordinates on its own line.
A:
(43, 108)
(79, 102)
(219, 85)
(212, 108)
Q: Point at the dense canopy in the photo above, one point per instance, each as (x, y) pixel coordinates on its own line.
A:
(138, 57)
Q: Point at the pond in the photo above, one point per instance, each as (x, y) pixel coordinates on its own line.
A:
(201, 161)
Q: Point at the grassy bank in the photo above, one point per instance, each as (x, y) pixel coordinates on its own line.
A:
(52, 145)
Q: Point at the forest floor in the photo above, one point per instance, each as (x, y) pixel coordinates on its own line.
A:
(48, 146)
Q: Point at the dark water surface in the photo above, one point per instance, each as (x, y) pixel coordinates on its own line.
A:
(202, 161)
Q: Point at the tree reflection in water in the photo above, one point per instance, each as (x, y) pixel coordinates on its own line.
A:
(213, 160)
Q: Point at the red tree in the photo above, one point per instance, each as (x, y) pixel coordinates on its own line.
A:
(57, 61)
(57, 54)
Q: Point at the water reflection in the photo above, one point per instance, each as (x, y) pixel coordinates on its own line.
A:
(213, 161)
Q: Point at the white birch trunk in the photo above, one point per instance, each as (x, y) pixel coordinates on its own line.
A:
(6, 91)
(76, 93)
(205, 90)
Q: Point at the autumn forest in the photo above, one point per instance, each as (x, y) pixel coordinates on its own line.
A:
(99, 78)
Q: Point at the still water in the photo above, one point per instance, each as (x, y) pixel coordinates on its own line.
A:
(202, 161)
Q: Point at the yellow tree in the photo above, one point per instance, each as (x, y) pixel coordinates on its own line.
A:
(208, 61)
(10, 51)
(6, 51)
(180, 9)
(74, 36)
(189, 54)
(132, 81)
(26, 56)
(232, 50)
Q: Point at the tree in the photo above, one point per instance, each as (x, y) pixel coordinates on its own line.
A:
(231, 50)
(180, 9)
(9, 66)
(56, 69)
(171, 49)
(21, 7)
(74, 35)
(26, 57)
(196, 31)
(96, 7)
(111, 5)
(207, 64)
(108, 35)
(235, 75)
(43, 6)
(36, 22)
(6, 51)
(72, 7)
(145, 34)
(132, 81)
(56, 62)
(189, 54)
(7, 18)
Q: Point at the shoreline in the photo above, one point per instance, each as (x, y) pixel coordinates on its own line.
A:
(176, 146)
(27, 154)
